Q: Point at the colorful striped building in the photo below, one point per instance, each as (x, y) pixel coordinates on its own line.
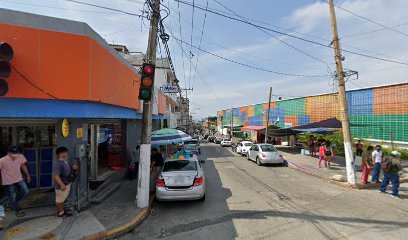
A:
(377, 112)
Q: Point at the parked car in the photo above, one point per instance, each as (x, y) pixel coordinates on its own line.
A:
(218, 140)
(243, 147)
(181, 180)
(192, 149)
(226, 142)
(264, 154)
(211, 139)
(196, 143)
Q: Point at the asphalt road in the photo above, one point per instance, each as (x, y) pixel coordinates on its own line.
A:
(244, 201)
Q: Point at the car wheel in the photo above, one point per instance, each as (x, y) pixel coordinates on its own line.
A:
(258, 161)
(202, 199)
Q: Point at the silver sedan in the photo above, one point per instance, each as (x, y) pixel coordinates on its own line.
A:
(264, 154)
(181, 180)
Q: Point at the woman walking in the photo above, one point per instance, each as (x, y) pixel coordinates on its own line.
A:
(366, 164)
(322, 156)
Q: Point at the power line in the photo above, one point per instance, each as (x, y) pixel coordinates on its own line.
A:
(191, 43)
(280, 40)
(372, 31)
(107, 8)
(199, 45)
(296, 37)
(182, 52)
(370, 20)
(251, 66)
(60, 8)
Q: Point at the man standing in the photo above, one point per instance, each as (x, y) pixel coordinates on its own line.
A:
(63, 174)
(391, 168)
(377, 157)
(11, 167)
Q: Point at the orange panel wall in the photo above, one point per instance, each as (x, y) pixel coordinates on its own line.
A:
(391, 100)
(162, 103)
(67, 66)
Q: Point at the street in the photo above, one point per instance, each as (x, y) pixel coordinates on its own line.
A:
(244, 201)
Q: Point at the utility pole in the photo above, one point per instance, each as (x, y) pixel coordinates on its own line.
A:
(267, 116)
(232, 123)
(143, 184)
(348, 150)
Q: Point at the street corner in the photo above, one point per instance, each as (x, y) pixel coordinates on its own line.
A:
(38, 228)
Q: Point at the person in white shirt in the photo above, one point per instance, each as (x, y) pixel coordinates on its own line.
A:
(377, 156)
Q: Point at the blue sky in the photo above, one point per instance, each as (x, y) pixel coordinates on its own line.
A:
(219, 84)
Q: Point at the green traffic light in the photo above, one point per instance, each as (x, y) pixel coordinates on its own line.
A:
(145, 94)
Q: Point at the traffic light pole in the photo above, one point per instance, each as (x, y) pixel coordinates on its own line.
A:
(143, 184)
(348, 150)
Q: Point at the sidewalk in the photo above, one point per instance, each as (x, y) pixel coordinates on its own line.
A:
(309, 165)
(117, 214)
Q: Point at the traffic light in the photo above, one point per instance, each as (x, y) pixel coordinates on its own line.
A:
(6, 54)
(147, 82)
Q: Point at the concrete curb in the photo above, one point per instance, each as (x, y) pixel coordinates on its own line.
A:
(121, 230)
(341, 184)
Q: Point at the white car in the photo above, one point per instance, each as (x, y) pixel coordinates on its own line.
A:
(226, 142)
(181, 180)
(264, 154)
(243, 147)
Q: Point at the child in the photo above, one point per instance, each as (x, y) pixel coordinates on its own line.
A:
(322, 156)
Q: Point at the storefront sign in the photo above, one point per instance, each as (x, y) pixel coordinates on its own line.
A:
(80, 132)
(170, 89)
(65, 128)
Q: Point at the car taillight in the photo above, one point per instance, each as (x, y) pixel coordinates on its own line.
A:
(263, 155)
(198, 181)
(160, 182)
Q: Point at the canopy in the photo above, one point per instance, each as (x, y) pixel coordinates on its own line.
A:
(316, 130)
(328, 123)
(274, 131)
(167, 136)
(251, 128)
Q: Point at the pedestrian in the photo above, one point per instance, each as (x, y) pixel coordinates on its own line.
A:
(311, 146)
(366, 164)
(11, 167)
(322, 156)
(2, 216)
(391, 167)
(328, 152)
(63, 173)
(378, 157)
(156, 159)
(359, 148)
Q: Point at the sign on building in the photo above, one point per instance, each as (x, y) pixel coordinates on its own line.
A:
(170, 89)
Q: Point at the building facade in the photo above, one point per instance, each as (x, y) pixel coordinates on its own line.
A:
(68, 87)
(378, 113)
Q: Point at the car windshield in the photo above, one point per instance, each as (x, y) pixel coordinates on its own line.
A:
(190, 147)
(191, 142)
(268, 148)
(181, 165)
(248, 144)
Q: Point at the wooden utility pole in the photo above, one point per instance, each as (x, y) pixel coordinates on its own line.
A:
(348, 149)
(267, 116)
(143, 184)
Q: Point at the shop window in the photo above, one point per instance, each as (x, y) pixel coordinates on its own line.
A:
(6, 139)
(109, 147)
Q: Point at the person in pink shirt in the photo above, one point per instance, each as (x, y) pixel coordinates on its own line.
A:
(11, 167)
(322, 156)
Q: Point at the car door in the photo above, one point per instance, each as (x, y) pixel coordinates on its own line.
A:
(253, 152)
(239, 147)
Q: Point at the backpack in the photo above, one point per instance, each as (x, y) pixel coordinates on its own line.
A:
(386, 165)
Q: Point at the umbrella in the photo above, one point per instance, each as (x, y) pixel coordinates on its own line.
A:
(167, 136)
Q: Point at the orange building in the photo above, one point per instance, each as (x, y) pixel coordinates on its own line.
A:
(69, 87)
